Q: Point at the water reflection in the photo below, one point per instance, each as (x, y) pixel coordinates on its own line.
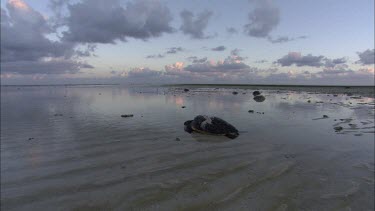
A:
(90, 156)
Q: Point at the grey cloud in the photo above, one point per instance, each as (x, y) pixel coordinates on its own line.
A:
(284, 39)
(219, 48)
(97, 21)
(23, 36)
(25, 48)
(232, 30)
(195, 26)
(263, 19)
(261, 61)
(195, 59)
(299, 60)
(155, 56)
(43, 67)
(174, 50)
(330, 63)
(366, 57)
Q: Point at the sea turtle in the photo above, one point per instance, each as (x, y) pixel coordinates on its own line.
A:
(211, 125)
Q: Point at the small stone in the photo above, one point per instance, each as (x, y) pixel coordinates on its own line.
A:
(309, 101)
(127, 115)
(31, 139)
(186, 90)
(251, 111)
(338, 128)
(325, 116)
(177, 139)
(234, 93)
(256, 93)
(183, 106)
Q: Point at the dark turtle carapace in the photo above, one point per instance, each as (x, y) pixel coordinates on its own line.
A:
(211, 125)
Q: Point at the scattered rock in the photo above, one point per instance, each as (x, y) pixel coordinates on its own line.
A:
(234, 93)
(259, 98)
(31, 139)
(338, 128)
(186, 90)
(127, 115)
(256, 93)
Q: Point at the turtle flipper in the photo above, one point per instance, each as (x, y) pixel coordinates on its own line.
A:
(232, 135)
(187, 126)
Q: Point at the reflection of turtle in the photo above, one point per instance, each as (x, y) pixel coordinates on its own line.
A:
(211, 125)
(256, 93)
(259, 98)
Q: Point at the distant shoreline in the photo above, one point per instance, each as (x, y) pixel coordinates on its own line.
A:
(205, 85)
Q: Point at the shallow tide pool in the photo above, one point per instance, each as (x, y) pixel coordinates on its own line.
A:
(68, 148)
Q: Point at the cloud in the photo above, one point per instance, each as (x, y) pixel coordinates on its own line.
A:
(261, 61)
(263, 19)
(297, 59)
(330, 63)
(195, 59)
(23, 33)
(55, 66)
(195, 26)
(174, 50)
(284, 39)
(97, 21)
(232, 30)
(219, 48)
(366, 57)
(155, 56)
(26, 49)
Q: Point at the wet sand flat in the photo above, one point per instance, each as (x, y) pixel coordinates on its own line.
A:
(302, 148)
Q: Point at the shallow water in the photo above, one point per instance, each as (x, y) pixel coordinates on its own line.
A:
(68, 148)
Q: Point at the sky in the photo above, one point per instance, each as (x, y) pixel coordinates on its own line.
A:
(311, 42)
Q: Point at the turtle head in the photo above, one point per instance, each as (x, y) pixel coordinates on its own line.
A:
(187, 126)
(232, 135)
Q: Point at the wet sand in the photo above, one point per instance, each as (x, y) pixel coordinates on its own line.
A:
(68, 148)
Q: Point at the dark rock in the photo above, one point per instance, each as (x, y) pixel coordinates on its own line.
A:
(186, 90)
(325, 116)
(309, 101)
(234, 93)
(177, 139)
(251, 111)
(31, 139)
(259, 98)
(256, 93)
(58, 115)
(338, 128)
(127, 115)
(183, 106)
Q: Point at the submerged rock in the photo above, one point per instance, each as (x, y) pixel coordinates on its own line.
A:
(211, 125)
(259, 98)
(127, 115)
(256, 93)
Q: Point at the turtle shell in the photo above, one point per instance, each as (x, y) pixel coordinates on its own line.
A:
(213, 125)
